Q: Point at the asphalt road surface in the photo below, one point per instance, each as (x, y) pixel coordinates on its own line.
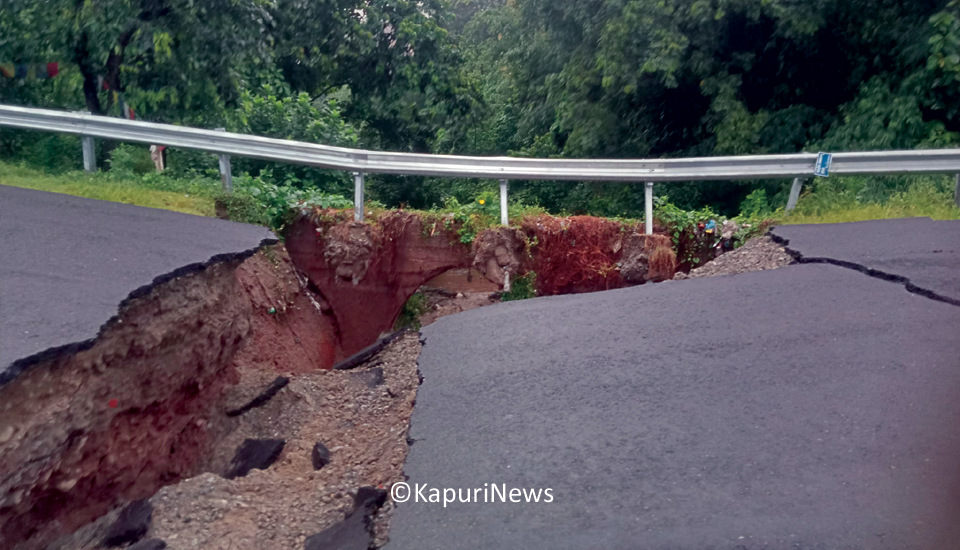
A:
(68, 263)
(809, 407)
(921, 250)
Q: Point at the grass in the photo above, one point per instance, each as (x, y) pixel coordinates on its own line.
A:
(133, 190)
(832, 200)
(853, 199)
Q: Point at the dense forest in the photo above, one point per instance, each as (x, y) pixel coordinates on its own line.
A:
(538, 78)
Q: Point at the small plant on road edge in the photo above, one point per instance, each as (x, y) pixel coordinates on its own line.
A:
(410, 314)
(521, 288)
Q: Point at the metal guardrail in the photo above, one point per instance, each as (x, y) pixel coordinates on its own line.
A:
(360, 162)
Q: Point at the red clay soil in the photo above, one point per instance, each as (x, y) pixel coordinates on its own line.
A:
(586, 254)
(143, 407)
(577, 254)
(365, 272)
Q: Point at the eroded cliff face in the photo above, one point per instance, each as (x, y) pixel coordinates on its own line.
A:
(366, 272)
(142, 407)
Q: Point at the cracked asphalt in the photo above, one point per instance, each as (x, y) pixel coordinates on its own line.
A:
(68, 263)
(924, 251)
(810, 407)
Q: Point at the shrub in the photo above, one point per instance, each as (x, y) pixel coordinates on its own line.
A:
(521, 288)
(410, 314)
(127, 161)
(296, 118)
(260, 200)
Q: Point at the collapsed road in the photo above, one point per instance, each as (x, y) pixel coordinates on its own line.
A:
(69, 262)
(811, 406)
(146, 351)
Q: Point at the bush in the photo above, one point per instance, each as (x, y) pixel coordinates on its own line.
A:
(411, 312)
(52, 153)
(296, 118)
(755, 205)
(128, 161)
(521, 288)
(260, 200)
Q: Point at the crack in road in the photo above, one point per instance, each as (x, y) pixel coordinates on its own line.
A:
(869, 271)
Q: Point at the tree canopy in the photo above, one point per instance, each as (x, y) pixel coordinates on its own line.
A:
(564, 78)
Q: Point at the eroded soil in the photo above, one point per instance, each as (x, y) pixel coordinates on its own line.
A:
(362, 416)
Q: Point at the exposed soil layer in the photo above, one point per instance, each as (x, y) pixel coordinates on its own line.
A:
(361, 417)
(587, 254)
(755, 255)
(141, 408)
(365, 272)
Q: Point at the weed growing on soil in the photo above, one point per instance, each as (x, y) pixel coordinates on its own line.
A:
(692, 246)
(411, 312)
(521, 288)
(260, 200)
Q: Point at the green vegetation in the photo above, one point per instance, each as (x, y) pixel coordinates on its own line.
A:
(836, 200)
(255, 200)
(108, 188)
(564, 79)
(521, 288)
(411, 312)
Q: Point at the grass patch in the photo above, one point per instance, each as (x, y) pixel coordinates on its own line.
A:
(853, 200)
(165, 193)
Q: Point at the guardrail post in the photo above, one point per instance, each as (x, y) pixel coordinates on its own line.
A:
(956, 193)
(794, 193)
(226, 174)
(357, 197)
(89, 154)
(648, 213)
(504, 218)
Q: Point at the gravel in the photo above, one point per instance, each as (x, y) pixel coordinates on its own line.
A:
(756, 255)
(362, 426)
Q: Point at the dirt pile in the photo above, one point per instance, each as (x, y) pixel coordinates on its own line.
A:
(647, 258)
(498, 251)
(755, 255)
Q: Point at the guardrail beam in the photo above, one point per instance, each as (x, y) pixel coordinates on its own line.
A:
(798, 165)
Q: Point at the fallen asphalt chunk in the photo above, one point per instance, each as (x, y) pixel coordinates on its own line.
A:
(252, 454)
(131, 525)
(149, 544)
(278, 384)
(355, 532)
